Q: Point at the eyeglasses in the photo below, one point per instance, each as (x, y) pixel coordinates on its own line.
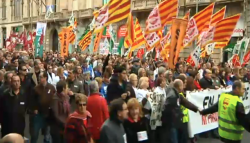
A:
(81, 104)
(24, 69)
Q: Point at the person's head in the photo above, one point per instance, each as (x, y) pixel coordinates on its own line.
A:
(15, 62)
(161, 71)
(99, 81)
(12, 138)
(15, 82)
(99, 67)
(106, 77)
(239, 88)
(81, 102)
(37, 64)
(93, 87)
(50, 68)
(71, 75)
(133, 79)
(118, 109)
(208, 65)
(183, 78)
(122, 73)
(151, 75)
(22, 70)
(208, 74)
(169, 75)
(142, 72)
(78, 69)
(43, 77)
(7, 77)
(215, 70)
(178, 85)
(222, 73)
(143, 83)
(61, 87)
(179, 68)
(86, 75)
(59, 71)
(161, 82)
(85, 63)
(134, 109)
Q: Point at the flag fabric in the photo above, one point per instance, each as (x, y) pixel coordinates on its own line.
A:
(218, 16)
(112, 38)
(178, 31)
(220, 44)
(40, 31)
(161, 15)
(246, 59)
(91, 45)
(197, 23)
(97, 41)
(72, 35)
(139, 36)
(153, 39)
(119, 48)
(112, 12)
(49, 11)
(140, 53)
(222, 30)
(130, 34)
(86, 40)
(195, 56)
(65, 42)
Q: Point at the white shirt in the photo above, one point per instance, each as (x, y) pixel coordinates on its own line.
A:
(142, 93)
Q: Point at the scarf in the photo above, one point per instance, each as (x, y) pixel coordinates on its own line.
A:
(63, 104)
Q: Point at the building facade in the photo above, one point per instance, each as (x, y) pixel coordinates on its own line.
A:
(24, 14)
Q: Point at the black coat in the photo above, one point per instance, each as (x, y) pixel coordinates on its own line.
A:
(12, 110)
(206, 83)
(114, 90)
(132, 128)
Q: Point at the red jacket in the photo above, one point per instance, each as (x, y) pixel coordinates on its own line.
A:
(98, 108)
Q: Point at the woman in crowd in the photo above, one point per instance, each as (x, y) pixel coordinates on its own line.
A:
(136, 126)
(60, 112)
(228, 76)
(222, 77)
(76, 129)
(196, 76)
(60, 73)
(142, 73)
(151, 80)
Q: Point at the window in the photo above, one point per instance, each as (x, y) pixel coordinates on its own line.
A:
(3, 9)
(17, 8)
(55, 7)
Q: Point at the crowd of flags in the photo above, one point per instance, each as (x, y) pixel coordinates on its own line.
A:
(165, 32)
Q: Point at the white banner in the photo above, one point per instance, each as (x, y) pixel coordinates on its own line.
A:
(40, 27)
(204, 99)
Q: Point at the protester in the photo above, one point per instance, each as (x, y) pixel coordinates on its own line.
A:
(13, 108)
(112, 130)
(12, 138)
(97, 106)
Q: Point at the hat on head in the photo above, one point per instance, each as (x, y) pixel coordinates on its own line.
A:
(136, 60)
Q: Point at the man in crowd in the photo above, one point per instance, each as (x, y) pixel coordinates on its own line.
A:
(12, 138)
(7, 82)
(97, 106)
(206, 81)
(42, 98)
(112, 130)
(231, 114)
(13, 108)
(86, 67)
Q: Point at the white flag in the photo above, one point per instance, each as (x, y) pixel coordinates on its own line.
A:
(106, 43)
(210, 48)
(195, 55)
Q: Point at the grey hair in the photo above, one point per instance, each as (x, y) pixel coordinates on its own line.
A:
(177, 83)
(167, 73)
(161, 70)
(94, 87)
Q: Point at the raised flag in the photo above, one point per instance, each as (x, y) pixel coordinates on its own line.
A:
(197, 23)
(139, 36)
(195, 56)
(112, 12)
(222, 30)
(86, 40)
(97, 41)
(246, 59)
(178, 31)
(65, 42)
(161, 15)
(140, 53)
(130, 34)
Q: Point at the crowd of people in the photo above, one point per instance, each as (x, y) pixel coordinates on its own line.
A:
(103, 99)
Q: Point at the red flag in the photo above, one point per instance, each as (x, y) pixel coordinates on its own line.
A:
(140, 53)
(236, 61)
(41, 39)
(246, 59)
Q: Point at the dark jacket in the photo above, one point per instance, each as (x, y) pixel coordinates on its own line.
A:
(243, 119)
(112, 131)
(172, 114)
(131, 90)
(132, 128)
(42, 98)
(216, 81)
(13, 108)
(114, 90)
(206, 83)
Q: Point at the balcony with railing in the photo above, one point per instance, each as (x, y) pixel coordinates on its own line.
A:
(75, 13)
(143, 4)
(86, 13)
(201, 2)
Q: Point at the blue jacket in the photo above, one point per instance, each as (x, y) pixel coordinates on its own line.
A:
(90, 69)
(103, 90)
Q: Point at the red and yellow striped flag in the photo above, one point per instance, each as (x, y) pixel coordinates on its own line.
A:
(161, 15)
(224, 28)
(220, 44)
(130, 35)
(120, 13)
(114, 11)
(86, 40)
(218, 16)
(197, 23)
(139, 37)
(72, 35)
(97, 40)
